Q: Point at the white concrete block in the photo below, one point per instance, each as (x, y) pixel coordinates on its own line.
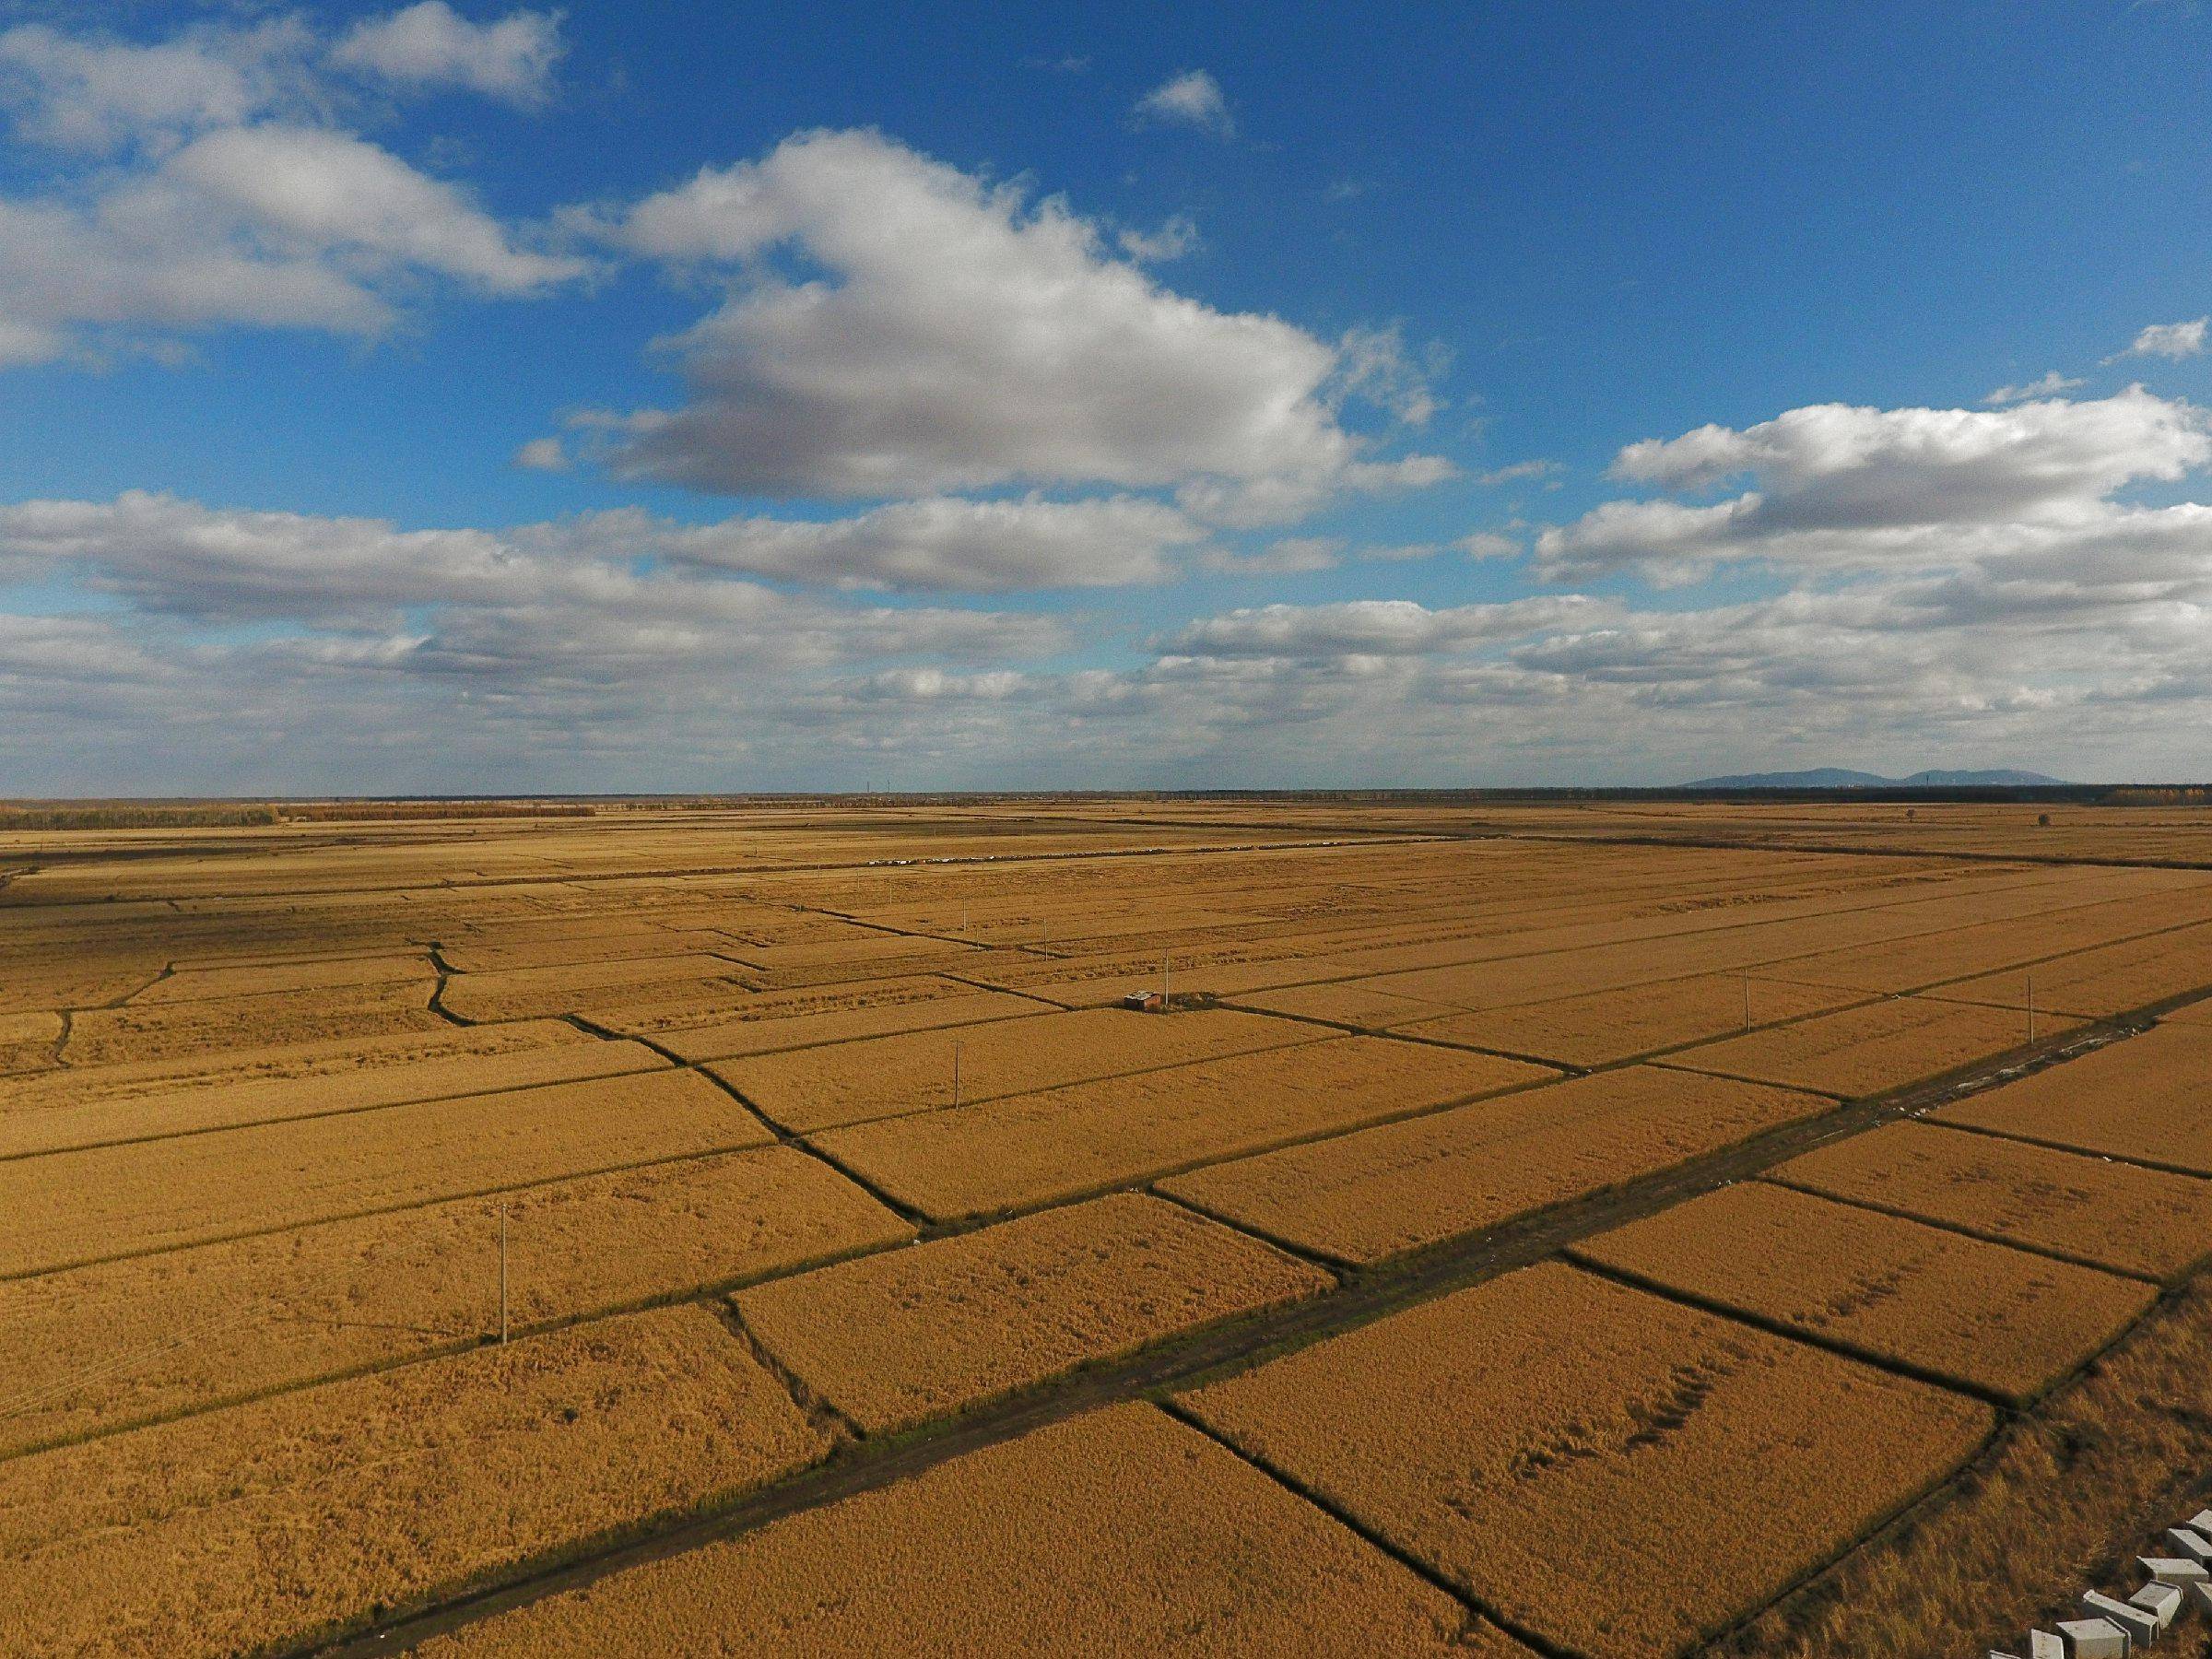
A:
(2161, 1600)
(2093, 1638)
(2171, 1569)
(2042, 1644)
(2133, 1620)
(2200, 1522)
(2201, 1593)
(2188, 1541)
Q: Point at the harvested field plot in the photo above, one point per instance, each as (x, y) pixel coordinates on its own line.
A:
(789, 1019)
(2149, 1098)
(1607, 1026)
(1350, 1003)
(894, 1339)
(1502, 1433)
(1382, 1192)
(199, 984)
(95, 1347)
(533, 993)
(2136, 1220)
(191, 1029)
(1983, 1315)
(569, 1058)
(334, 1501)
(822, 1086)
(1064, 1142)
(1867, 1051)
(2101, 983)
(81, 1206)
(1123, 1532)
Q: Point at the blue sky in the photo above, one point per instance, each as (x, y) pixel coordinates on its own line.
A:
(1191, 319)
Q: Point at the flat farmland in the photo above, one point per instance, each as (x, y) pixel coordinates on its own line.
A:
(122, 1342)
(1379, 1192)
(1500, 1434)
(1119, 1532)
(2148, 1099)
(110, 1201)
(2116, 1216)
(895, 1339)
(364, 1493)
(822, 1086)
(1977, 1313)
(1289, 1321)
(1062, 1143)
(1869, 1050)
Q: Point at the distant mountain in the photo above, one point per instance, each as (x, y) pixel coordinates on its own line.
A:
(1837, 777)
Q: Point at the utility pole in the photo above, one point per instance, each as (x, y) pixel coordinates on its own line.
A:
(502, 1274)
(955, 1074)
(1746, 1002)
(2031, 1004)
(1164, 962)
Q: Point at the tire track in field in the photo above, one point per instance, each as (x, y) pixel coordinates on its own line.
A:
(868, 1464)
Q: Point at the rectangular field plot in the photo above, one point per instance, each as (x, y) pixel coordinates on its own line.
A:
(1983, 1315)
(1119, 1532)
(1062, 1143)
(534, 993)
(894, 1339)
(79, 1207)
(1868, 1050)
(1347, 1002)
(1607, 1026)
(576, 1058)
(305, 1064)
(786, 1019)
(121, 1342)
(199, 984)
(1380, 1191)
(334, 1501)
(215, 1025)
(822, 1086)
(2148, 1098)
(2101, 983)
(1618, 1473)
(2114, 1215)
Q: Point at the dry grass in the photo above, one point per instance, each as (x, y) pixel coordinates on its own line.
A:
(823, 1087)
(1380, 1191)
(2149, 1098)
(81, 1206)
(289, 979)
(1984, 1314)
(787, 1019)
(2136, 1220)
(1615, 1472)
(892, 1340)
(261, 1524)
(97, 1348)
(2067, 1499)
(27, 1040)
(1866, 1050)
(1064, 1142)
(1123, 1532)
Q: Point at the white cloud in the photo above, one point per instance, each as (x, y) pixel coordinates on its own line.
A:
(1489, 544)
(941, 544)
(202, 181)
(429, 44)
(2170, 340)
(2048, 384)
(1192, 99)
(1173, 240)
(1375, 627)
(1519, 472)
(543, 455)
(959, 336)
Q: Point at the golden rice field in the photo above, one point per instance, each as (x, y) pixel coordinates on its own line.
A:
(1508, 1241)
